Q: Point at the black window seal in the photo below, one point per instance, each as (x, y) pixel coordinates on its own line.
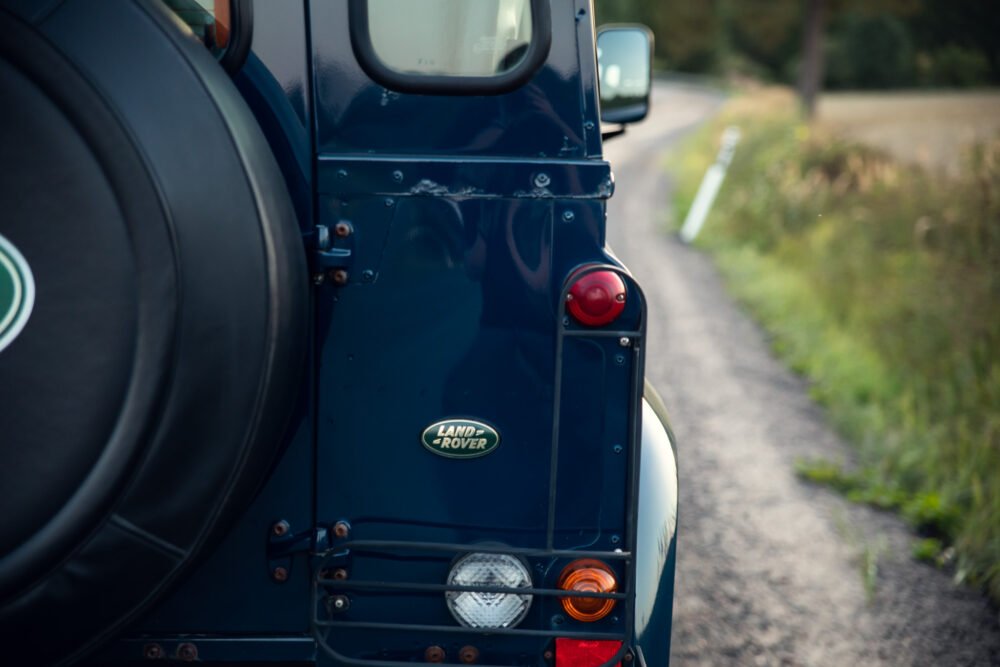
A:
(378, 71)
(240, 36)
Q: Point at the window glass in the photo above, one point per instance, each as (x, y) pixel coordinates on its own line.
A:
(458, 38)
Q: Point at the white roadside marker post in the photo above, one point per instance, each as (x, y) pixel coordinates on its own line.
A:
(710, 185)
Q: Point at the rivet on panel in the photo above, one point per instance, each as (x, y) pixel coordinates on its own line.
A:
(187, 652)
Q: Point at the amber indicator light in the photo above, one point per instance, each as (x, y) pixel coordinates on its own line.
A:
(588, 576)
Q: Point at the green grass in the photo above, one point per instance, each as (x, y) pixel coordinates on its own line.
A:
(880, 282)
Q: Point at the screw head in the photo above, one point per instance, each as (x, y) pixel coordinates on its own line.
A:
(367, 276)
(568, 216)
(340, 574)
(187, 652)
(628, 657)
(339, 276)
(152, 651)
(542, 180)
(548, 655)
(617, 449)
(342, 229)
(340, 603)
(279, 574)
(468, 654)
(624, 341)
(397, 176)
(341, 529)
(434, 654)
(280, 528)
(389, 202)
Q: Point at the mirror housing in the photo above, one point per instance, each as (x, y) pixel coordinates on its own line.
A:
(225, 28)
(625, 72)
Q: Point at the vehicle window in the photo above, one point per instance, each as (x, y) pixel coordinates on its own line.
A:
(450, 37)
(451, 46)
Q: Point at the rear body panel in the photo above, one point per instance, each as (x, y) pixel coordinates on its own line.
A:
(465, 216)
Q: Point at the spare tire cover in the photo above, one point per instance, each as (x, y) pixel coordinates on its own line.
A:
(159, 311)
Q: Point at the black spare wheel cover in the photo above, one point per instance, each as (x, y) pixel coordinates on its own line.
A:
(148, 389)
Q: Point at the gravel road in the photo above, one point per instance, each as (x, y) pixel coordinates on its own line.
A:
(770, 569)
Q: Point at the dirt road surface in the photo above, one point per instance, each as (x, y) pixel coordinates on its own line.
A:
(771, 571)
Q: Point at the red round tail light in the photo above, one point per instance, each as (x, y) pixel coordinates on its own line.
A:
(597, 298)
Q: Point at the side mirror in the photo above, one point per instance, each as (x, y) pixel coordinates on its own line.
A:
(624, 65)
(225, 27)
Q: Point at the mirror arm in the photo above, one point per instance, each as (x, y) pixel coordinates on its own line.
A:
(611, 134)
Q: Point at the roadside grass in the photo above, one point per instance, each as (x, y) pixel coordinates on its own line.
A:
(868, 553)
(880, 282)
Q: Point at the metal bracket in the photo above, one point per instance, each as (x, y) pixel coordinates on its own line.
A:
(327, 249)
(283, 545)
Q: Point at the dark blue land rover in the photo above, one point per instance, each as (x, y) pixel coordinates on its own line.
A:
(311, 349)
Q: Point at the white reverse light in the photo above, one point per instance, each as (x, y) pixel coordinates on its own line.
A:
(488, 610)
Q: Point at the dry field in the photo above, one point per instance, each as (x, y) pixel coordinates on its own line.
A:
(932, 129)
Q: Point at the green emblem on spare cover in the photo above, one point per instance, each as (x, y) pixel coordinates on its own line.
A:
(17, 292)
(460, 438)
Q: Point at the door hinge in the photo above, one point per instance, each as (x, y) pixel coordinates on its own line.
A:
(330, 252)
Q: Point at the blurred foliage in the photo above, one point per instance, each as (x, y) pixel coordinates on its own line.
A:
(929, 550)
(871, 43)
(870, 51)
(686, 32)
(880, 283)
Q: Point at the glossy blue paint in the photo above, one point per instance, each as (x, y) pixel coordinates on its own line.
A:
(464, 217)
(657, 545)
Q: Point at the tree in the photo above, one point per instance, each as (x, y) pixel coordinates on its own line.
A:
(811, 74)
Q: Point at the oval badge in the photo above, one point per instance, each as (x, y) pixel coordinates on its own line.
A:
(17, 292)
(460, 438)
